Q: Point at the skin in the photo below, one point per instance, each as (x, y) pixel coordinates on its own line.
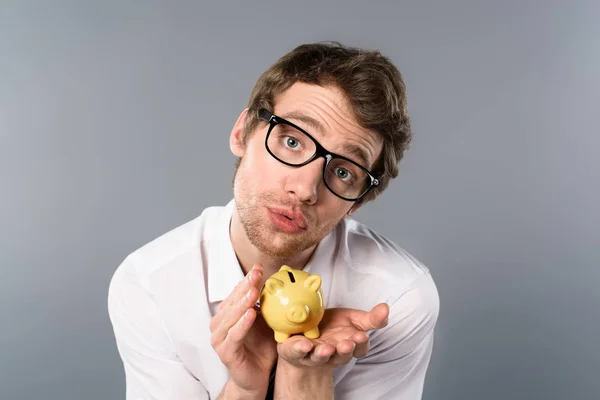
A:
(253, 236)
(243, 341)
(239, 336)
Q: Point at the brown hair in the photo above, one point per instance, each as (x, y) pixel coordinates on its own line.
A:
(372, 85)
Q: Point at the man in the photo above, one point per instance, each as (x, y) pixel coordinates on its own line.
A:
(322, 135)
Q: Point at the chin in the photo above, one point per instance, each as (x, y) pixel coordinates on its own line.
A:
(281, 245)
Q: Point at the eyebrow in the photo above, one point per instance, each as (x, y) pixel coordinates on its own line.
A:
(359, 152)
(310, 121)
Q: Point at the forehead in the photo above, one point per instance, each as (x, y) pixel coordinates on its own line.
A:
(324, 112)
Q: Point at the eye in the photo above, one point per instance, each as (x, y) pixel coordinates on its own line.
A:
(291, 142)
(343, 174)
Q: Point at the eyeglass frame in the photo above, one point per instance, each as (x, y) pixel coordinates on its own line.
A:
(320, 151)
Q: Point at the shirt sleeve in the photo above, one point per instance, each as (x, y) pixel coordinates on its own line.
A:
(397, 362)
(152, 368)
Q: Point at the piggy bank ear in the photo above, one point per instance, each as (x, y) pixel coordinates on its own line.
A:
(272, 284)
(313, 283)
(285, 268)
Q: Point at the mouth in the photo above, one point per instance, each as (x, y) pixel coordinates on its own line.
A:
(292, 215)
(287, 219)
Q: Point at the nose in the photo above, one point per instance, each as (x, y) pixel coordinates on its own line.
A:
(304, 182)
(298, 313)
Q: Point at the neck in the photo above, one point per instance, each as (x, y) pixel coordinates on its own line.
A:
(248, 254)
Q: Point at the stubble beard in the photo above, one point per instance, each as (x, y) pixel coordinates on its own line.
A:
(266, 238)
(259, 230)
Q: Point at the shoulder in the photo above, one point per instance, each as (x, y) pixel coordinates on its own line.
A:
(147, 263)
(372, 256)
(372, 269)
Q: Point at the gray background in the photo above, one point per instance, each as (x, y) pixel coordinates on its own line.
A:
(114, 124)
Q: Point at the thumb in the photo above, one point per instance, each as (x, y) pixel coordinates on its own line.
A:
(377, 318)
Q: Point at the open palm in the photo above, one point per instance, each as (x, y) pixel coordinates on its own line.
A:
(343, 335)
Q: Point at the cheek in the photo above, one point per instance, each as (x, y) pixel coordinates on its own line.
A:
(332, 211)
(262, 170)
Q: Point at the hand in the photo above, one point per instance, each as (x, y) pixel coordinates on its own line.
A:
(343, 336)
(242, 339)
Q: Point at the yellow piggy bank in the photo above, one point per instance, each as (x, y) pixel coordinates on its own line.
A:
(291, 301)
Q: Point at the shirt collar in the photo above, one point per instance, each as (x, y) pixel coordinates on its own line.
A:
(223, 267)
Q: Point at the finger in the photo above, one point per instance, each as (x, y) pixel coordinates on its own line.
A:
(240, 329)
(344, 352)
(295, 350)
(361, 339)
(230, 301)
(235, 293)
(345, 347)
(234, 314)
(229, 350)
(322, 353)
(237, 309)
(252, 279)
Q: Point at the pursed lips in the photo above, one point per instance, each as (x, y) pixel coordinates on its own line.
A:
(293, 215)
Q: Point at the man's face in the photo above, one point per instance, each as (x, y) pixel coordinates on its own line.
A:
(264, 188)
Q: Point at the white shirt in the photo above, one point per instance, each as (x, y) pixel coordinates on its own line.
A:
(163, 295)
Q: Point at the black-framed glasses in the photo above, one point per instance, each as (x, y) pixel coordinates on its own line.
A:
(292, 145)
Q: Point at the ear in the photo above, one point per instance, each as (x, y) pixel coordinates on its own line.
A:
(285, 268)
(313, 282)
(272, 284)
(236, 138)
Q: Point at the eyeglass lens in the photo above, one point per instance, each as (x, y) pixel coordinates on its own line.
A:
(292, 146)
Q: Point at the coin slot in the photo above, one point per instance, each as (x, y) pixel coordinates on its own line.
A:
(291, 277)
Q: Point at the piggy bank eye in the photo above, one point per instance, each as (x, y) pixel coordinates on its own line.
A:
(292, 279)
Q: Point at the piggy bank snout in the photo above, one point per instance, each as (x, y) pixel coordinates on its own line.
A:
(298, 313)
